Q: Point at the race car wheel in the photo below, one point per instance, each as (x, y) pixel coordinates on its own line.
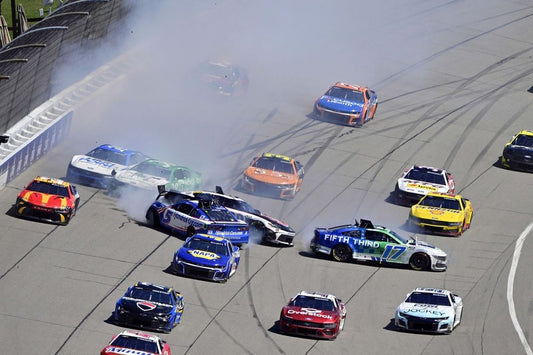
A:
(341, 252)
(419, 261)
(341, 324)
(152, 219)
(191, 231)
(374, 113)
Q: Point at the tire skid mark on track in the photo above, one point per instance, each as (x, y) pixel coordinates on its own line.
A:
(252, 304)
(370, 277)
(113, 289)
(445, 50)
(246, 285)
(43, 239)
(213, 319)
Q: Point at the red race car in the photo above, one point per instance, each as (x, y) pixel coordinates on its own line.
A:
(313, 314)
(129, 342)
(48, 199)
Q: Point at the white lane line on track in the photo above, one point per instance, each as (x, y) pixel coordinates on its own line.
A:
(510, 285)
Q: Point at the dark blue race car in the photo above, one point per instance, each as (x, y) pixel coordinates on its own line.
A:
(190, 216)
(207, 257)
(150, 306)
(95, 168)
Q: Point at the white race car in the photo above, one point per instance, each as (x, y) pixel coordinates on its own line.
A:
(272, 230)
(418, 181)
(95, 168)
(429, 310)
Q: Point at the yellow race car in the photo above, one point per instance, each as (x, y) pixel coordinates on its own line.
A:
(442, 213)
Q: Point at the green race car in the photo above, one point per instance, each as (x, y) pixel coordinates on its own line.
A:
(151, 173)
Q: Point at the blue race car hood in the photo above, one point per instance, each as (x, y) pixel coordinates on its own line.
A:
(336, 104)
(143, 306)
(202, 257)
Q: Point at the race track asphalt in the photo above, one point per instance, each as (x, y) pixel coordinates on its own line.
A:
(452, 80)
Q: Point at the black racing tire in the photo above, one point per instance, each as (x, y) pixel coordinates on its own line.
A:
(152, 219)
(341, 252)
(190, 231)
(419, 262)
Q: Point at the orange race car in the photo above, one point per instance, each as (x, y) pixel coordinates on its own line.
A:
(273, 174)
(48, 199)
(352, 103)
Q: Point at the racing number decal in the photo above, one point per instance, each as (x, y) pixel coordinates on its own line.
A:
(392, 252)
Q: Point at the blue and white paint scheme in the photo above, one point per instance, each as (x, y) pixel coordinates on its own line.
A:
(95, 168)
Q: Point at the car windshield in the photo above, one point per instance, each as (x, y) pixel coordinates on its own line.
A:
(346, 94)
(50, 189)
(152, 169)
(426, 175)
(524, 140)
(438, 299)
(237, 205)
(321, 303)
(218, 248)
(220, 214)
(150, 295)
(109, 155)
(274, 164)
(129, 342)
(441, 202)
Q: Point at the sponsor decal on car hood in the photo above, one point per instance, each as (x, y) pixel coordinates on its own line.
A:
(140, 180)
(144, 306)
(310, 314)
(95, 165)
(201, 257)
(203, 254)
(420, 187)
(336, 104)
(118, 350)
(270, 176)
(437, 214)
(425, 310)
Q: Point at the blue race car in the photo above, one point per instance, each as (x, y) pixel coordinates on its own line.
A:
(150, 306)
(95, 168)
(367, 242)
(190, 216)
(207, 257)
(347, 103)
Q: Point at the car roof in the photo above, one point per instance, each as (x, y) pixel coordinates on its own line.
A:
(114, 148)
(431, 290)
(316, 294)
(525, 132)
(276, 156)
(443, 195)
(426, 168)
(210, 238)
(140, 335)
(53, 181)
(151, 286)
(349, 86)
